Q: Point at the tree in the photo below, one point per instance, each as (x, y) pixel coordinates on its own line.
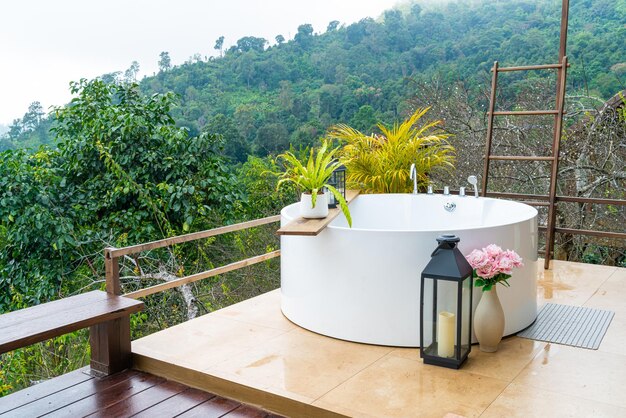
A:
(416, 10)
(15, 129)
(130, 75)
(219, 44)
(263, 198)
(235, 146)
(365, 119)
(33, 117)
(304, 35)
(111, 78)
(280, 39)
(251, 43)
(123, 172)
(332, 26)
(165, 63)
(357, 31)
(272, 138)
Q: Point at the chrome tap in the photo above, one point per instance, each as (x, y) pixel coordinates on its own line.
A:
(462, 191)
(430, 189)
(473, 180)
(413, 176)
(446, 190)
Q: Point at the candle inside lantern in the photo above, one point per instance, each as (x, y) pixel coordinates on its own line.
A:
(445, 339)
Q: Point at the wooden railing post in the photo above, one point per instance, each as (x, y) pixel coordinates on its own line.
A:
(110, 341)
(112, 270)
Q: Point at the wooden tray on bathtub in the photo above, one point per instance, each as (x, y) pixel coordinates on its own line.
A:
(312, 227)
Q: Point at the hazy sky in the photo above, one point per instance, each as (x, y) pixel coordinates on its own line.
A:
(46, 44)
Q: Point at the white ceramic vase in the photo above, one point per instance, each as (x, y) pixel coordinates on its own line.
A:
(489, 321)
(308, 211)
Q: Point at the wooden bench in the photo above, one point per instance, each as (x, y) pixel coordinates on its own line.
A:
(107, 315)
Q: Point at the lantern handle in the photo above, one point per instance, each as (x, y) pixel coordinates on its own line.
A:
(446, 239)
(441, 244)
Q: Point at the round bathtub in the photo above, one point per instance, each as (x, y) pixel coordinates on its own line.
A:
(363, 283)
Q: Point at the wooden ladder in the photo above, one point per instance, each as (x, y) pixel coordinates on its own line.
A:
(561, 68)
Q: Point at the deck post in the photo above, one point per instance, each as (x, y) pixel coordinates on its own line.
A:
(110, 341)
(112, 271)
(110, 347)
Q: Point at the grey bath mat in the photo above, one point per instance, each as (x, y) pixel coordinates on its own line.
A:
(570, 325)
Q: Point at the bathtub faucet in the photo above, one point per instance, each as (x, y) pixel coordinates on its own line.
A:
(413, 176)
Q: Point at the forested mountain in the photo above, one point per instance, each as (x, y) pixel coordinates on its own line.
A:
(262, 99)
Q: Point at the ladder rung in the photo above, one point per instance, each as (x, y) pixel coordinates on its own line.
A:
(525, 112)
(531, 67)
(519, 158)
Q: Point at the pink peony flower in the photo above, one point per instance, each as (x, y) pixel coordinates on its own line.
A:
(492, 251)
(515, 258)
(504, 263)
(477, 259)
(488, 271)
(492, 261)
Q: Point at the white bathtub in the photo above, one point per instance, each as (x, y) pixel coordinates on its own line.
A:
(363, 284)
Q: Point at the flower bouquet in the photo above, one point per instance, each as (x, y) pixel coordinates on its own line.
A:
(493, 265)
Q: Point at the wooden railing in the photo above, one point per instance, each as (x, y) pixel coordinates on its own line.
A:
(540, 200)
(112, 256)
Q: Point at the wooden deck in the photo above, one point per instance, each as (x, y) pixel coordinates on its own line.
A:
(125, 394)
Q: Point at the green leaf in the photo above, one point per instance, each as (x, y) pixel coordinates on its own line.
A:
(342, 203)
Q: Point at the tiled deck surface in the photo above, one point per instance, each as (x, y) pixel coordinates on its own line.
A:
(251, 352)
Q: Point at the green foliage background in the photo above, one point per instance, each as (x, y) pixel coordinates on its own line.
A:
(366, 72)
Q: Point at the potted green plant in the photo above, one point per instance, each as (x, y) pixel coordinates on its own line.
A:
(311, 177)
(381, 163)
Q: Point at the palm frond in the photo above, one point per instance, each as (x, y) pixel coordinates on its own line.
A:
(380, 163)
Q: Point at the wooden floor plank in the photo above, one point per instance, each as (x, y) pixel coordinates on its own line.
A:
(142, 400)
(125, 394)
(176, 405)
(82, 390)
(213, 408)
(43, 389)
(246, 411)
(136, 382)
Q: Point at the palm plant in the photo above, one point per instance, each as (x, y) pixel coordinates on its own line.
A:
(312, 176)
(381, 163)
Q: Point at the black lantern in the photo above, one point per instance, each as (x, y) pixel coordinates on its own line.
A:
(446, 306)
(338, 181)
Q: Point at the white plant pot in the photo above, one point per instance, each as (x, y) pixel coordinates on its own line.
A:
(306, 206)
